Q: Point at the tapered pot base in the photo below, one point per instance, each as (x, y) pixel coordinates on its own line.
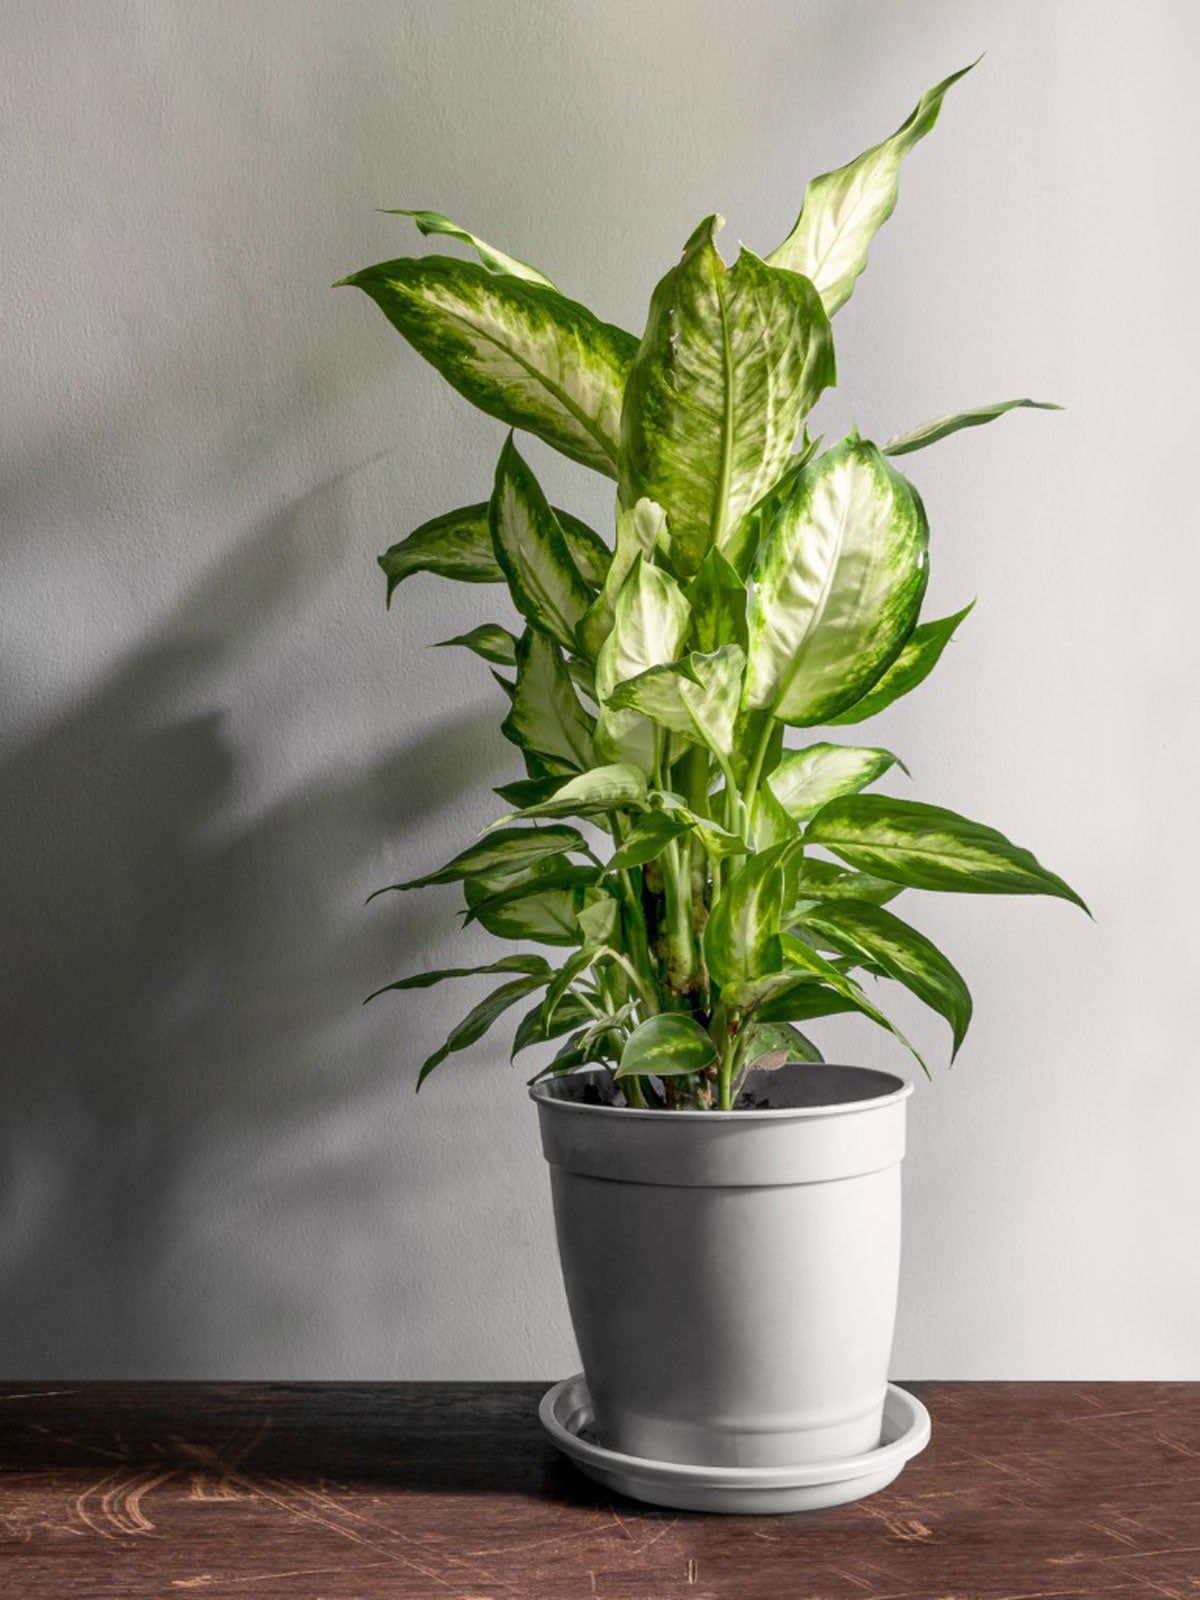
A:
(566, 1415)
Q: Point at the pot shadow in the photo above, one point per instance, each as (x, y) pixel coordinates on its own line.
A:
(180, 1000)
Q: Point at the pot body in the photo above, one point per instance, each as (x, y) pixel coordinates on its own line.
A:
(732, 1276)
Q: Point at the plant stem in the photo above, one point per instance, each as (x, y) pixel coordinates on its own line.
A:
(756, 766)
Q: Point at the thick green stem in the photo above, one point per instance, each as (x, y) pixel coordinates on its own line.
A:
(756, 766)
(681, 941)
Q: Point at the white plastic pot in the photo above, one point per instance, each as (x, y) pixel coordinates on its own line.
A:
(732, 1276)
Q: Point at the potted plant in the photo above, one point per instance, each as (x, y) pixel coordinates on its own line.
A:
(727, 1204)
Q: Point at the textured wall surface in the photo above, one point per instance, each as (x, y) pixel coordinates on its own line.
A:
(215, 742)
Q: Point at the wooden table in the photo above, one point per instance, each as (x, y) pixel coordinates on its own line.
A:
(366, 1491)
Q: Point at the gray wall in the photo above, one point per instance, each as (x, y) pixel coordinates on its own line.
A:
(215, 742)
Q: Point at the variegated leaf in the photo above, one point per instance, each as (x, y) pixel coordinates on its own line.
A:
(803, 956)
(617, 787)
(480, 1018)
(837, 585)
(545, 583)
(921, 653)
(842, 211)
(696, 697)
(639, 530)
(534, 1028)
(717, 597)
(902, 444)
(667, 1046)
(458, 545)
(541, 904)
(432, 222)
(774, 1044)
(741, 939)
(490, 641)
(898, 950)
(649, 627)
(517, 350)
(807, 779)
(546, 717)
(649, 837)
(927, 847)
(814, 880)
(731, 362)
(509, 850)
(425, 980)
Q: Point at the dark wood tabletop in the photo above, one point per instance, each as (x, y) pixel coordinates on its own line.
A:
(364, 1491)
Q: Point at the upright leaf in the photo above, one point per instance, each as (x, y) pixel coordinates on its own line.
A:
(495, 260)
(517, 350)
(842, 211)
(649, 627)
(696, 697)
(717, 597)
(837, 585)
(639, 530)
(546, 586)
(546, 717)
(741, 939)
(902, 444)
(926, 847)
(921, 653)
(807, 779)
(895, 948)
(731, 362)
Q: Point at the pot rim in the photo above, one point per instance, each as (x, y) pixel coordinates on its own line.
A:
(903, 1088)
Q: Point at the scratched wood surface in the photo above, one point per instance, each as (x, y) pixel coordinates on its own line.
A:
(398, 1491)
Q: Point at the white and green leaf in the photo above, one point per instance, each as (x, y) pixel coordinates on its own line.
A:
(807, 779)
(509, 850)
(639, 532)
(518, 350)
(927, 847)
(649, 837)
(650, 624)
(542, 904)
(669, 1045)
(619, 786)
(814, 879)
(741, 938)
(489, 640)
(530, 964)
(546, 718)
(696, 697)
(718, 598)
(837, 585)
(902, 444)
(731, 362)
(545, 583)
(432, 222)
(921, 653)
(802, 956)
(458, 545)
(842, 211)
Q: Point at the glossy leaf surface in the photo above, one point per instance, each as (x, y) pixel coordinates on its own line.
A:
(921, 653)
(667, 1046)
(807, 779)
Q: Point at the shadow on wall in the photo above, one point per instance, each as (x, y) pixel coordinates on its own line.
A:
(179, 988)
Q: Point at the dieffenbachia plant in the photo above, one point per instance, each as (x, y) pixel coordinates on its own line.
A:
(711, 884)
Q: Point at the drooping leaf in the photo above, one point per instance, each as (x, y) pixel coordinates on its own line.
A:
(837, 587)
(529, 791)
(510, 850)
(741, 939)
(424, 980)
(649, 626)
(731, 362)
(639, 531)
(785, 995)
(617, 787)
(842, 211)
(807, 779)
(717, 841)
(545, 583)
(648, 838)
(902, 444)
(432, 222)
(801, 955)
(490, 641)
(824, 880)
(927, 847)
(696, 697)
(542, 904)
(600, 919)
(573, 1054)
(517, 350)
(480, 1018)
(901, 952)
(534, 1028)
(457, 544)
(717, 597)
(921, 653)
(667, 1046)
(774, 1044)
(546, 717)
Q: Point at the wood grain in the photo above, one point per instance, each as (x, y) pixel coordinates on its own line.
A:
(399, 1491)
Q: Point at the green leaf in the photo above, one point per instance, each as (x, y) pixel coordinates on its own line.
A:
(842, 211)
(926, 847)
(546, 717)
(495, 260)
(785, 996)
(802, 955)
(490, 641)
(807, 779)
(912, 666)
(649, 626)
(741, 939)
(511, 850)
(424, 980)
(697, 697)
(529, 791)
(575, 1053)
(823, 880)
(480, 1018)
(837, 585)
(718, 842)
(648, 838)
(774, 1044)
(667, 1046)
(769, 822)
(899, 951)
(600, 919)
(717, 597)
(731, 362)
(639, 531)
(542, 905)
(533, 1027)
(457, 544)
(545, 583)
(517, 350)
(902, 444)
(591, 555)
(743, 546)
(618, 787)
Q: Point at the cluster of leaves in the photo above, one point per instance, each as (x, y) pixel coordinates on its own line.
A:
(727, 886)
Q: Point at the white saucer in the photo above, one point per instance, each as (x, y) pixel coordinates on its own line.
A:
(566, 1415)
